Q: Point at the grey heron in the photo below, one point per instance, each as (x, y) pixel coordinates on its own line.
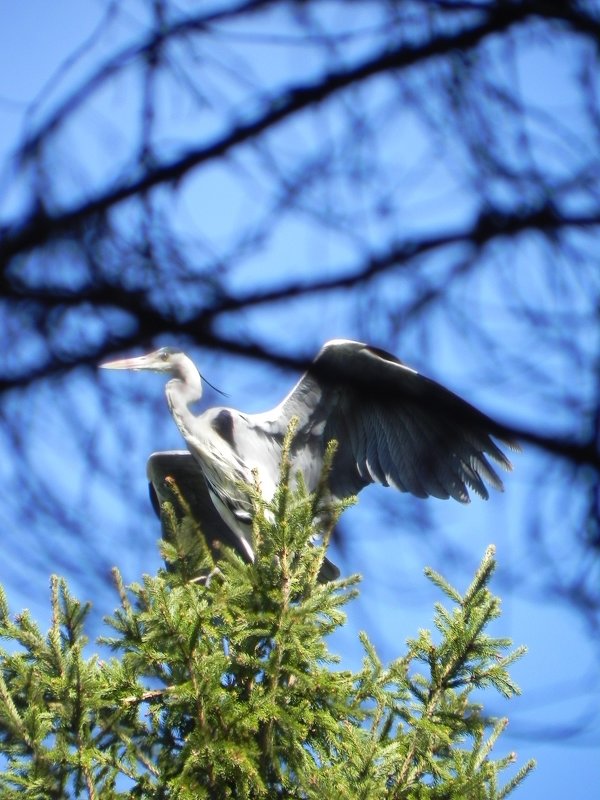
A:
(393, 426)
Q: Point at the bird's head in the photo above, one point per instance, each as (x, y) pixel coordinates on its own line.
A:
(170, 361)
(167, 359)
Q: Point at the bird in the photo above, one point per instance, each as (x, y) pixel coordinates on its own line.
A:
(393, 426)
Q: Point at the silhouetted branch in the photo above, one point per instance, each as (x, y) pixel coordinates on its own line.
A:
(42, 226)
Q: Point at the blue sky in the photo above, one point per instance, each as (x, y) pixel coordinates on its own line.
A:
(559, 674)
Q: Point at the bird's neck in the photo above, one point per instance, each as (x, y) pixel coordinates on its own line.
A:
(180, 395)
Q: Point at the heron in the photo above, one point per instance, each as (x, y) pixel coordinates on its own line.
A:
(393, 426)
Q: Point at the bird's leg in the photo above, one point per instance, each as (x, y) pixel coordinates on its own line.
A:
(206, 579)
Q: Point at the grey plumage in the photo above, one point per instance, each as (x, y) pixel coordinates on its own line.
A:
(393, 426)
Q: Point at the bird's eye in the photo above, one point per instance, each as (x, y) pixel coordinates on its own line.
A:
(164, 356)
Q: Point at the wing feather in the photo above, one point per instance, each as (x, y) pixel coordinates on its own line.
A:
(420, 440)
(375, 450)
(393, 426)
(447, 472)
(401, 466)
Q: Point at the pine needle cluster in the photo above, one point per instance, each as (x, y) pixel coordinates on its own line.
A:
(222, 686)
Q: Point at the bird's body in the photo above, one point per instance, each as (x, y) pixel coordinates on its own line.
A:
(393, 427)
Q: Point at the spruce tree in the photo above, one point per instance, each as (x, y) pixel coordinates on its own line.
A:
(221, 683)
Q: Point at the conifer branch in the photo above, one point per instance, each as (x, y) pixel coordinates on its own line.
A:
(225, 688)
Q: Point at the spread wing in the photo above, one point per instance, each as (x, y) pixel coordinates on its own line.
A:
(393, 427)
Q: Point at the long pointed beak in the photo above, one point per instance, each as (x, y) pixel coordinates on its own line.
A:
(141, 362)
